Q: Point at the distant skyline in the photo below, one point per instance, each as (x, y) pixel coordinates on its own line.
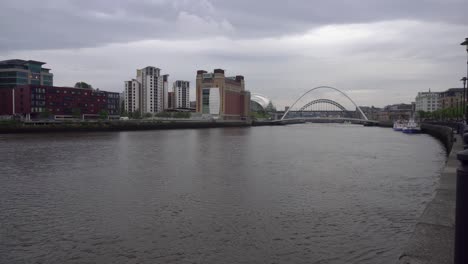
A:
(379, 52)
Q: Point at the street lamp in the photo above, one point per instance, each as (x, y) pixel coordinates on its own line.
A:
(464, 98)
(465, 43)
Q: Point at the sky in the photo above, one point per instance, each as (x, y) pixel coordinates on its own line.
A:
(378, 52)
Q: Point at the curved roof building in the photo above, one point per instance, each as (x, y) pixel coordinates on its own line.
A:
(258, 102)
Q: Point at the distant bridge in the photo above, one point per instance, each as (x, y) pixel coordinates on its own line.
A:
(325, 109)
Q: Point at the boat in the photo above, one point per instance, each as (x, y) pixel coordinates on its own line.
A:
(398, 125)
(411, 127)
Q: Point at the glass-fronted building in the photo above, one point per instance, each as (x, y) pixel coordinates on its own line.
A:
(21, 72)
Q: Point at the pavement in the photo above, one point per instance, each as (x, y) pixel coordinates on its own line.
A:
(433, 238)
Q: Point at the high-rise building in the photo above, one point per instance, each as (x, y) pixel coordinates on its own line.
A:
(147, 91)
(181, 94)
(21, 72)
(427, 101)
(221, 96)
(132, 96)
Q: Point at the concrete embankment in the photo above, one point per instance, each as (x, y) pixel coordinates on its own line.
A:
(46, 127)
(443, 133)
(432, 241)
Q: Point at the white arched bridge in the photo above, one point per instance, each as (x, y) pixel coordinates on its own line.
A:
(325, 108)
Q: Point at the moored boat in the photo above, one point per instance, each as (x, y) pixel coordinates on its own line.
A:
(411, 127)
(398, 125)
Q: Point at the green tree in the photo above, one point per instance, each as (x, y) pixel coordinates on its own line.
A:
(103, 114)
(83, 85)
(148, 115)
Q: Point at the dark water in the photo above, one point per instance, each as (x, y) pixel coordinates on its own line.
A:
(294, 194)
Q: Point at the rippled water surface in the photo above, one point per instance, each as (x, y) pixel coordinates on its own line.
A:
(294, 194)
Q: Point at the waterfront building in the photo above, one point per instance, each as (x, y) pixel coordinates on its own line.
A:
(371, 112)
(21, 72)
(427, 101)
(451, 98)
(148, 92)
(220, 96)
(181, 94)
(40, 101)
(132, 96)
(396, 112)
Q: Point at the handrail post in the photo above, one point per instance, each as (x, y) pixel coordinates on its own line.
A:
(461, 211)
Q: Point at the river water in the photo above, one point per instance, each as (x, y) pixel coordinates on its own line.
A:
(310, 193)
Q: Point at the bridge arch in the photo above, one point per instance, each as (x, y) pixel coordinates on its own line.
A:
(325, 87)
(327, 101)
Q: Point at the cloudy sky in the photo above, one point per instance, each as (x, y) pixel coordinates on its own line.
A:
(378, 51)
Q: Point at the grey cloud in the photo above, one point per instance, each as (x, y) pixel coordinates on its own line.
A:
(54, 24)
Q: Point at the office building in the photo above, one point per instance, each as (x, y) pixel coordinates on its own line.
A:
(21, 72)
(220, 96)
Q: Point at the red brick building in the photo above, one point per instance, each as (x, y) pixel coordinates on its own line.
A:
(36, 101)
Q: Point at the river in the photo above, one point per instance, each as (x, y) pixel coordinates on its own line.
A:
(309, 193)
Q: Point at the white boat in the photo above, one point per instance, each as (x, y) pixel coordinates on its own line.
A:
(411, 127)
(398, 125)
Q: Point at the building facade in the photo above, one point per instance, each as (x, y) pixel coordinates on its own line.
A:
(220, 96)
(428, 101)
(165, 91)
(21, 72)
(150, 98)
(170, 100)
(132, 96)
(396, 112)
(40, 101)
(451, 98)
(181, 91)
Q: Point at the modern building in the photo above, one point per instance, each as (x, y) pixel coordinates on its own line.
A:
(21, 72)
(150, 98)
(428, 101)
(222, 97)
(259, 103)
(132, 96)
(36, 101)
(451, 98)
(181, 94)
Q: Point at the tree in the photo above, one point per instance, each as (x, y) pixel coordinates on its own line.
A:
(148, 115)
(103, 114)
(83, 85)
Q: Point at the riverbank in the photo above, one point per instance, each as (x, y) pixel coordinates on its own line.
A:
(432, 241)
(113, 125)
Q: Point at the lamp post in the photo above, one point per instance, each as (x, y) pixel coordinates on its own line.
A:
(465, 43)
(464, 98)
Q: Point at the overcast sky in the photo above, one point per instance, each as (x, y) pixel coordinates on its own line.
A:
(378, 51)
